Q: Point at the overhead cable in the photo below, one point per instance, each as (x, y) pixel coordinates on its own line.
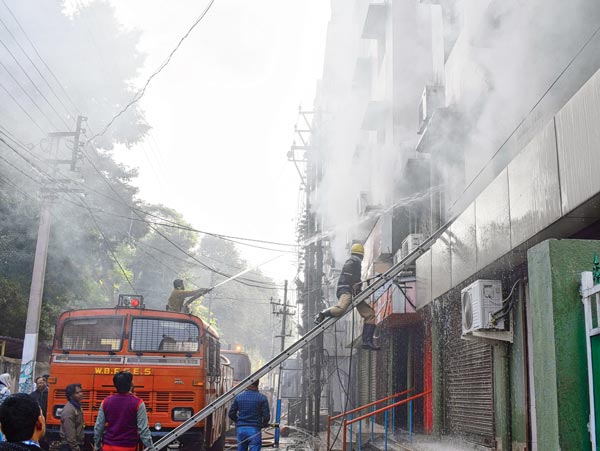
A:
(31, 80)
(141, 92)
(60, 85)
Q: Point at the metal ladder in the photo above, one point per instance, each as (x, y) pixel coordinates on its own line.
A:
(300, 343)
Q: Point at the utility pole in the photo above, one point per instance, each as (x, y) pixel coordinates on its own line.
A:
(284, 313)
(34, 309)
(283, 310)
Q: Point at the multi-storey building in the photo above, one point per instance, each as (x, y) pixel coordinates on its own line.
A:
(481, 118)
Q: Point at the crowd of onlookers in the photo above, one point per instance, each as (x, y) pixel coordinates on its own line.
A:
(121, 423)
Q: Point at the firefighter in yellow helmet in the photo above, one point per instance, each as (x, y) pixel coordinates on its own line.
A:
(349, 285)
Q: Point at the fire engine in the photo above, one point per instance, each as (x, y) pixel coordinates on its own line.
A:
(174, 358)
(239, 362)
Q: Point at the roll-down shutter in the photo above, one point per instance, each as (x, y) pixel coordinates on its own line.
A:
(468, 383)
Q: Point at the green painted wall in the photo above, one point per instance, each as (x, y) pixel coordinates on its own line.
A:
(510, 402)
(518, 400)
(502, 395)
(560, 368)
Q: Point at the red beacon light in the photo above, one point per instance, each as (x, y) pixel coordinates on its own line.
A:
(130, 301)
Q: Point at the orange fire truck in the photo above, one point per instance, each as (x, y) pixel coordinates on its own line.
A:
(174, 358)
(239, 362)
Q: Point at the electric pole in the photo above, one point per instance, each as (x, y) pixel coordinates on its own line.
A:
(34, 308)
(284, 314)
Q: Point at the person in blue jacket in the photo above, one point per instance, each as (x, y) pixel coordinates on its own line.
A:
(250, 413)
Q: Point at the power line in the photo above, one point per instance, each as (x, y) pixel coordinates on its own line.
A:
(42, 59)
(106, 242)
(18, 188)
(36, 68)
(141, 93)
(179, 248)
(22, 109)
(41, 171)
(9, 135)
(218, 235)
(174, 224)
(18, 169)
(28, 95)
(31, 80)
(273, 286)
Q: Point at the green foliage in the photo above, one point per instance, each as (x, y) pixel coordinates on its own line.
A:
(96, 60)
(14, 307)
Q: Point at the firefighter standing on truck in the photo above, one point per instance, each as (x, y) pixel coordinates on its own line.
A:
(179, 295)
(349, 285)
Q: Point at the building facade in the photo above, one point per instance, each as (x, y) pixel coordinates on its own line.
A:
(477, 119)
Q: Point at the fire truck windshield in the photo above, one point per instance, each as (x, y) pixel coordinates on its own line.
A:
(92, 334)
(161, 335)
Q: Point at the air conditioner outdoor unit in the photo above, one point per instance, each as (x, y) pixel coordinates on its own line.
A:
(410, 243)
(479, 301)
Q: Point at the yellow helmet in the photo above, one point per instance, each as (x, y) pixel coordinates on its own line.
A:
(358, 249)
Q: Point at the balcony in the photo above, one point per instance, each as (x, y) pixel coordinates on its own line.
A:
(395, 303)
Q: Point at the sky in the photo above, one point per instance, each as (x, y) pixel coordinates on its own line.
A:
(223, 112)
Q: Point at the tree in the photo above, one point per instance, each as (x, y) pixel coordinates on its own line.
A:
(55, 67)
(156, 259)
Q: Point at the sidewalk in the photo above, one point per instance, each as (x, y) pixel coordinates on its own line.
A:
(426, 443)
(395, 442)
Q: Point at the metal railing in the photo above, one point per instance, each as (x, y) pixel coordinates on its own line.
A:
(350, 413)
(383, 410)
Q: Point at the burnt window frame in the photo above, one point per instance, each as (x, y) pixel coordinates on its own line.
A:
(80, 318)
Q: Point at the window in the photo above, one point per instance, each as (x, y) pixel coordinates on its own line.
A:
(160, 335)
(92, 334)
(213, 358)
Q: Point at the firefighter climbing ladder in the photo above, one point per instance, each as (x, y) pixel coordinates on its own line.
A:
(292, 349)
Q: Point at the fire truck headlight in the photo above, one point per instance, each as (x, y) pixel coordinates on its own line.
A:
(58, 411)
(181, 413)
(157, 426)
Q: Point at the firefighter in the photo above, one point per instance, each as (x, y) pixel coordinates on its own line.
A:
(349, 285)
(179, 295)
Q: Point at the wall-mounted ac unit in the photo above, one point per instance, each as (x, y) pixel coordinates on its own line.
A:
(478, 302)
(410, 243)
(432, 98)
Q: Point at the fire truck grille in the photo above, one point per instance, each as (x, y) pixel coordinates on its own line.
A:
(164, 399)
(100, 395)
(61, 396)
